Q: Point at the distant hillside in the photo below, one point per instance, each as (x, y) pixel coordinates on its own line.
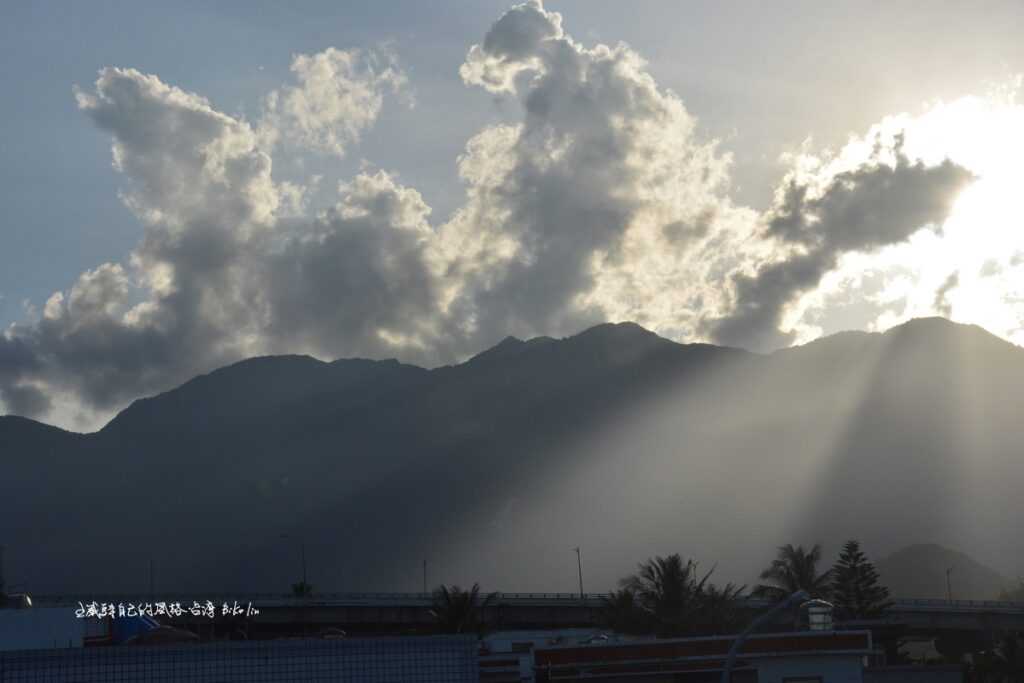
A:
(919, 571)
(615, 440)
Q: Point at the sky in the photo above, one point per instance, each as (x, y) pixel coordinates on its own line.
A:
(188, 184)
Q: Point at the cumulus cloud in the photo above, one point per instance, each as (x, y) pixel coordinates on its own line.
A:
(978, 240)
(942, 305)
(18, 361)
(361, 278)
(515, 44)
(201, 187)
(601, 195)
(816, 220)
(26, 399)
(600, 201)
(338, 95)
(219, 273)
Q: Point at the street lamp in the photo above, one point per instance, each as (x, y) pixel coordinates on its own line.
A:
(730, 660)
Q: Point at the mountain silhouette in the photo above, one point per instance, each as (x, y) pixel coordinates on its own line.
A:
(919, 571)
(615, 440)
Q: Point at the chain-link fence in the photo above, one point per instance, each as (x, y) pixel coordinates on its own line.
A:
(433, 659)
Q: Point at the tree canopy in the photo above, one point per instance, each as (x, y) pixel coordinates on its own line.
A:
(668, 596)
(794, 569)
(856, 590)
(459, 611)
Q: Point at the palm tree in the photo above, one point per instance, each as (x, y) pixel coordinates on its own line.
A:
(792, 570)
(721, 610)
(669, 591)
(459, 611)
(621, 612)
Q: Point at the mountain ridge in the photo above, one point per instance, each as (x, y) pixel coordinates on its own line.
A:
(511, 345)
(614, 439)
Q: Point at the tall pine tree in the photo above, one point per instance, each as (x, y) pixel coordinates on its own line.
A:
(855, 588)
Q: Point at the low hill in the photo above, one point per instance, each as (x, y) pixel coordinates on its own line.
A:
(919, 571)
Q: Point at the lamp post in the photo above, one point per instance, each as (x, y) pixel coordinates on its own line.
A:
(730, 659)
(949, 585)
(579, 568)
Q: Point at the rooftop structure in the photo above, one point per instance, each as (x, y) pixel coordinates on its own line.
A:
(805, 656)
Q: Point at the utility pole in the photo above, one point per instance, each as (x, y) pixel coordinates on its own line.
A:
(424, 577)
(579, 567)
(151, 592)
(949, 586)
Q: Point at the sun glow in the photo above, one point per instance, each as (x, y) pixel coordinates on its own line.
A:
(970, 268)
(985, 223)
